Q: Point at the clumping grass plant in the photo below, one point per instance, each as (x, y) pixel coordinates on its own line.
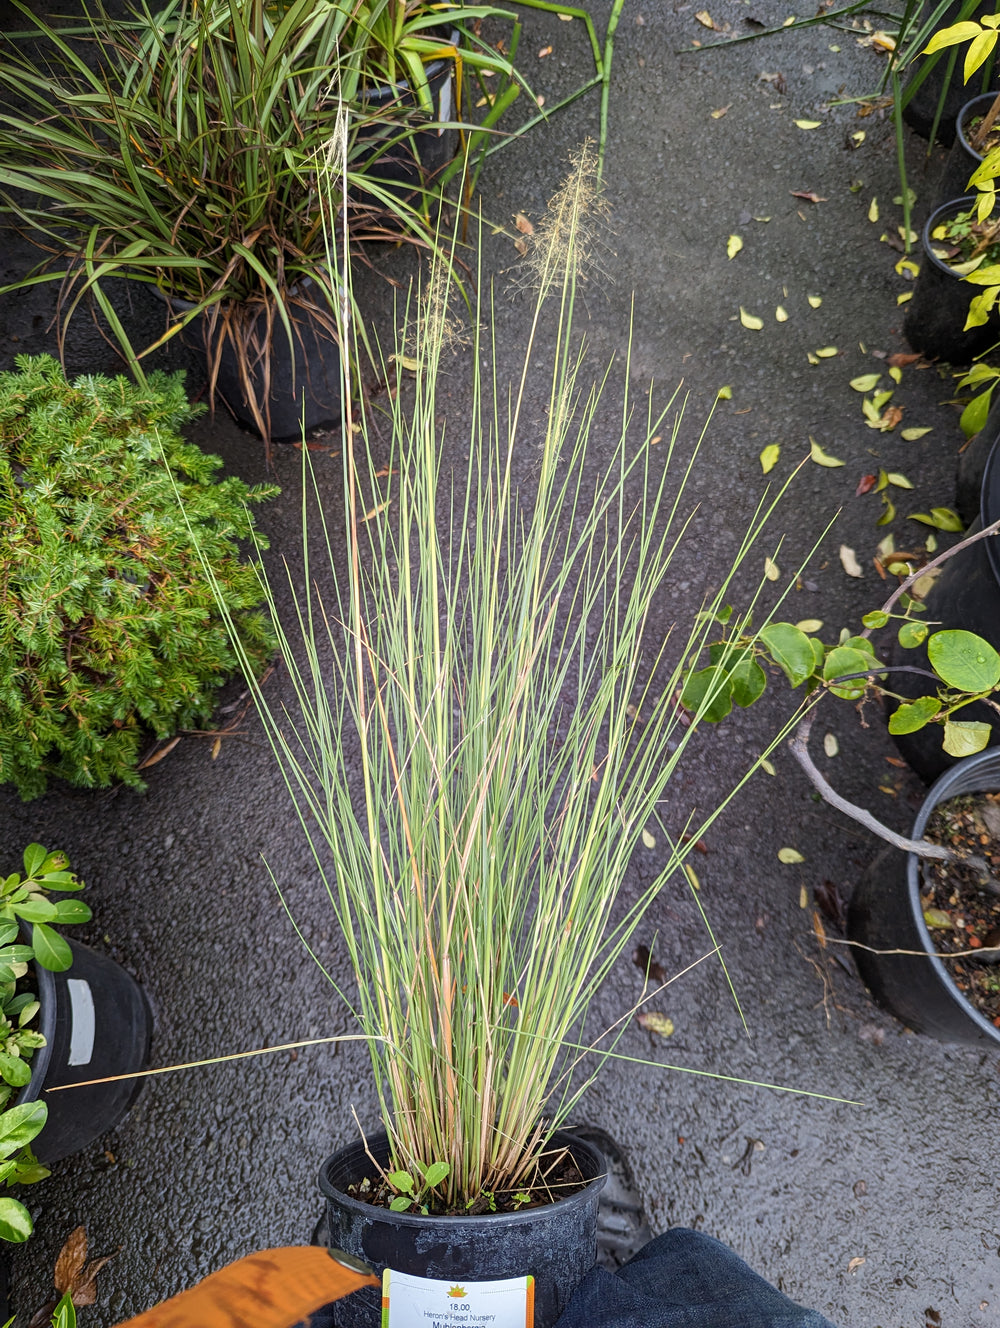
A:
(483, 727)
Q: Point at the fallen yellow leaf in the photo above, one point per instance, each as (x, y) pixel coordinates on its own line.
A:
(717, 115)
(733, 246)
(705, 19)
(814, 301)
(769, 457)
(808, 124)
(822, 458)
(750, 321)
(790, 856)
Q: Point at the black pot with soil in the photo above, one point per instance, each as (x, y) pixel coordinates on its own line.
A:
(965, 595)
(890, 911)
(934, 321)
(963, 158)
(301, 383)
(554, 1243)
(96, 1024)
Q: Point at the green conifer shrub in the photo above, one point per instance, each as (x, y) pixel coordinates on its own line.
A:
(109, 629)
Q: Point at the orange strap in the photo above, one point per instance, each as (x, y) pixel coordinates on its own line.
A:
(271, 1289)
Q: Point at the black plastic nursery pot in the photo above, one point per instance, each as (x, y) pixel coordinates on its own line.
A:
(935, 318)
(305, 375)
(555, 1244)
(885, 913)
(96, 1023)
(410, 162)
(963, 158)
(965, 595)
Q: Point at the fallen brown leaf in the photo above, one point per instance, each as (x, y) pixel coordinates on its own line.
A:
(523, 224)
(865, 485)
(808, 195)
(901, 359)
(71, 1259)
(158, 756)
(521, 246)
(819, 930)
(891, 417)
(894, 760)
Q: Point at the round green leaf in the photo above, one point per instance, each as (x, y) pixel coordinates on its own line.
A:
(964, 661)
(748, 680)
(912, 634)
(72, 910)
(875, 619)
(844, 660)
(965, 737)
(790, 649)
(713, 682)
(20, 1124)
(34, 856)
(913, 715)
(51, 950)
(15, 1070)
(36, 909)
(15, 1221)
(436, 1173)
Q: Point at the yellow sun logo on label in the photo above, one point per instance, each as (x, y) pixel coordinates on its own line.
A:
(457, 1292)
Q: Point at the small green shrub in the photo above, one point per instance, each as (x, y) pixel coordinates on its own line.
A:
(108, 626)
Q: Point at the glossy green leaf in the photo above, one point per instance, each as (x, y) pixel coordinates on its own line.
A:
(51, 950)
(875, 619)
(964, 661)
(36, 909)
(914, 715)
(15, 1221)
(749, 681)
(72, 910)
(790, 649)
(400, 1204)
(974, 416)
(965, 737)
(912, 634)
(843, 660)
(14, 1070)
(20, 1124)
(941, 518)
(436, 1173)
(34, 857)
(712, 681)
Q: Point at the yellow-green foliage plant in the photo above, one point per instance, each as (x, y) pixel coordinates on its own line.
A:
(497, 728)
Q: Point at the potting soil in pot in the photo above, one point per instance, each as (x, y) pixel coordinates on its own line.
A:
(961, 903)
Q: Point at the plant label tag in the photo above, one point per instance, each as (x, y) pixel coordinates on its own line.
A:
(425, 1302)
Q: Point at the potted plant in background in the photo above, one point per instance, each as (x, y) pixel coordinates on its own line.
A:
(93, 1023)
(108, 629)
(188, 159)
(474, 771)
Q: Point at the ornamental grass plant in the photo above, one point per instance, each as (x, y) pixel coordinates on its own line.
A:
(483, 725)
(178, 147)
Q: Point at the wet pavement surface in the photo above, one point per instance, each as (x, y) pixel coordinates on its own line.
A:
(879, 1210)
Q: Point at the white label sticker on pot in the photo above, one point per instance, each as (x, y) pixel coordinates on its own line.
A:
(444, 105)
(81, 1038)
(424, 1302)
